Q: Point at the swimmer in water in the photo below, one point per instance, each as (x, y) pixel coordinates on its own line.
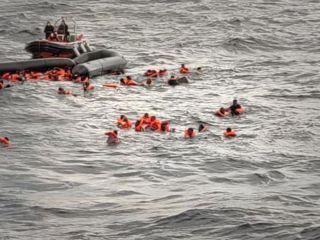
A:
(112, 137)
(4, 140)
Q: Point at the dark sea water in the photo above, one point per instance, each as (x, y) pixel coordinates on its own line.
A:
(60, 180)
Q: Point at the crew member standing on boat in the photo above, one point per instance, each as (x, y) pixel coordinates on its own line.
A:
(48, 29)
(63, 29)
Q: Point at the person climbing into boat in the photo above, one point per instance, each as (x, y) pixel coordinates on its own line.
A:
(112, 137)
(49, 29)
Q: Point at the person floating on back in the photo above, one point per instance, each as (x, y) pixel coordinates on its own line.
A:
(229, 133)
(183, 69)
(112, 137)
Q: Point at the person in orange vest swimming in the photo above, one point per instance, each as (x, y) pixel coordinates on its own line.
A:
(189, 133)
(184, 69)
(4, 140)
(138, 126)
(128, 81)
(165, 127)
(87, 86)
(125, 123)
(229, 133)
(63, 91)
(154, 124)
(202, 128)
(112, 137)
(221, 112)
(145, 119)
(120, 120)
(162, 72)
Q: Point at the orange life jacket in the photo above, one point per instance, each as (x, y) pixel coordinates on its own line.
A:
(6, 76)
(145, 120)
(230, 134)
(187, 135)
(139, 128)
(184, 70)
(219, 114)
(155, 125)
(130, 82)
(4, 141)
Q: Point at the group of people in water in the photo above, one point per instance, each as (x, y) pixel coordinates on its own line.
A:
(145, 122)
(154, 124)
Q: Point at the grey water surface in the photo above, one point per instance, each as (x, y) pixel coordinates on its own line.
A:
(60, 180)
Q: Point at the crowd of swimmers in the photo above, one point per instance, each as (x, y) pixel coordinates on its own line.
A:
(146, 122)
(154, 124)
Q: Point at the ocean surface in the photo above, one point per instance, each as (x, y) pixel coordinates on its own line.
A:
(60, 180)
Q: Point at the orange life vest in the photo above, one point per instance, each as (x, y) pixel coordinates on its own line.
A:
(184, 70)
(230, 134)
(155, 125)
(219, 114)
(5, 141)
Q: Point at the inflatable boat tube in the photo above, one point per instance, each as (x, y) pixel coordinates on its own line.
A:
(36, 64)
(98, 63)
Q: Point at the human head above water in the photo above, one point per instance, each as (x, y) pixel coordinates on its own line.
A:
(228, 129)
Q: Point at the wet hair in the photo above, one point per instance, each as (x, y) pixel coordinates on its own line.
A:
(149, 81)
(115, 132)
(122, 116)
(190, 129)
(228, 130)
(128, 77)
(222, 109)
(153, 118)
(121, 80)
(60, 89)
(6, 138)
(182, 65)
(146, 115)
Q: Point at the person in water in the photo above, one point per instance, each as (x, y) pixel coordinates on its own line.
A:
(221, 112)
(173, 81)
(189, 133)
(62, 91)
(49, 29)
(87, 86)
(183, 69)
(2, 86)
(4, 140)
(233, 108)
(229, 133)
(202, 128)
(112, 137)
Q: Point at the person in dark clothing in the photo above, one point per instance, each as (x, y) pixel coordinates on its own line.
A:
(63, 29)
(48, 29)
(233, 108)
